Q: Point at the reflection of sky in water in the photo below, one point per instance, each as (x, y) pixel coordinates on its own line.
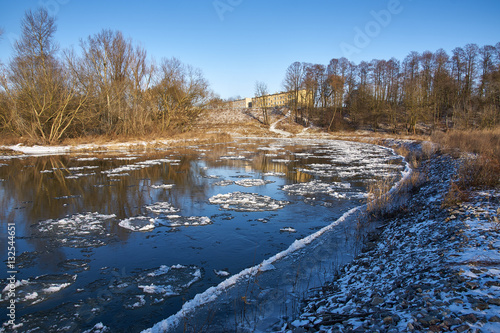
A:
(109, 218)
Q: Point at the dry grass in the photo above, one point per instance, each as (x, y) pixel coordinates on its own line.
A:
(482, 142)
(378, 194)
(480, 169)
(455, 196)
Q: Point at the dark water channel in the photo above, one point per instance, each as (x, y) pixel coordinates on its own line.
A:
(124, 238)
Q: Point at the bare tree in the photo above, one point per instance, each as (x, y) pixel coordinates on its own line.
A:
(261, 95)
(180, 94)
(42, 94)
(293, 84)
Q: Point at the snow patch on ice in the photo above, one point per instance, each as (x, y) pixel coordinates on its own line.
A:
(222, 273)
(139, 223)
(252, 182)
(79, 230)
(162, 208)
(247, 202)
(185, 221)
(38, 289)
(225, 182)
(163, 186)
(317, 187)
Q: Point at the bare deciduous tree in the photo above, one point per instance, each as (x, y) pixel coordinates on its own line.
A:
(293, 83)
(180, 94)
(261, 94)
(42, 94)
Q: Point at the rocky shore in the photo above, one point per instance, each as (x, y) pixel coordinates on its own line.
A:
(433, 267)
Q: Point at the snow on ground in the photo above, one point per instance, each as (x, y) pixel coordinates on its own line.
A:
(273, 128)
(430, 270)
(55, 150)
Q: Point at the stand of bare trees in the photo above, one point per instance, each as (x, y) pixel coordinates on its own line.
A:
(107, 87)
(428, 90)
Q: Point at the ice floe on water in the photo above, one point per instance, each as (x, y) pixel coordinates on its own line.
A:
(247, 202)
(138, 223)
(222, 273)
(86, 159)
(185, 221)
(281, 160)
(154, 286)
(123, 170)
(79, 230)
(38, 289)
(225, 182)
(338, 190)
(274, 174)
(364, 170)
(162, 208)
(252, 182)
(352, 161)
(167, 218)
(163, 186)
(229, 157)
(98, 328)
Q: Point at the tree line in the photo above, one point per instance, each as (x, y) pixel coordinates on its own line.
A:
(109, 87)
(431, 89)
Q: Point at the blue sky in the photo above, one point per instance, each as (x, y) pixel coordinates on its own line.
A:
(238, 42)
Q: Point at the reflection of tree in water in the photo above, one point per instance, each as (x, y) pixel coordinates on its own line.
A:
(260, 160)
(40, 185)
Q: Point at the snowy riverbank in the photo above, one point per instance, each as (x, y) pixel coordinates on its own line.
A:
(431, 269)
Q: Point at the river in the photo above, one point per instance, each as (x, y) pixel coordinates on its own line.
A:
(126, 238)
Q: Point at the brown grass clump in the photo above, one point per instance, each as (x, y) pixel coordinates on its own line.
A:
(455, 196)
(481, 169)
(481, 142)
(378, 195)
(479, 172)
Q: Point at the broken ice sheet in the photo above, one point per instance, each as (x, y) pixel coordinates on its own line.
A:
(224, 182)
(138, 223)
(154, 285)
(167, 218)
(77, 231)
(338, 190)
(222, 273)
(247, 202)
(184, 221)
(38, 289)
(162, 208)
(252, 182)
(163, 186)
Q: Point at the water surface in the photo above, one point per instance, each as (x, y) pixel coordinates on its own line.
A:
(125, 238)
